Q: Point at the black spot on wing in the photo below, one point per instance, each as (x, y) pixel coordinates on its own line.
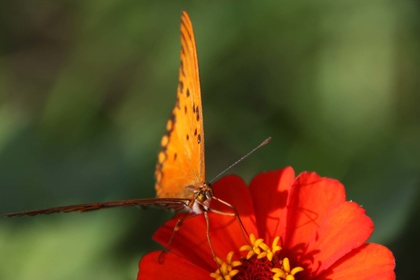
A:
(197, 113)
(181, 86)
(181, 68)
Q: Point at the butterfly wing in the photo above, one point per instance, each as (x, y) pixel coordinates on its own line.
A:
(166, 203)
(180, 168)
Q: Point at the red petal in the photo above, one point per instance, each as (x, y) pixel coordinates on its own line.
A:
(158, 265)
(232, 189)
(190, 240)
(269, 192)
(322, 226)
(344, 229)
(311, 198)
(370, 261)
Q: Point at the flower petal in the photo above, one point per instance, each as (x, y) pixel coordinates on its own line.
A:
(311, 198)
(346, 228)
(189, 241)
(232, 189)
(322, 226)
(164, 265)
(269, 192)
(370, 261)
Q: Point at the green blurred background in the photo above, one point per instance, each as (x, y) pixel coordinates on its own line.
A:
(86, 88)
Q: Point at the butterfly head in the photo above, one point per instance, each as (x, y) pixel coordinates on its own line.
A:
(202, 198)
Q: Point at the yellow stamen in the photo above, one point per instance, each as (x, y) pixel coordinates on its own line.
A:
(286, 264)
(255, 249)
(284, 272)
(258, 250)
(296, 270)
(226, 269)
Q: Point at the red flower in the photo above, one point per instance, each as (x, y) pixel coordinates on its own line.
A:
(305, 229)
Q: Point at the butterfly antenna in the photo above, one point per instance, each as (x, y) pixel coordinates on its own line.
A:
(263, 143)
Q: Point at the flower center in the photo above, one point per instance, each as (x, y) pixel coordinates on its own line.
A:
(260, 262)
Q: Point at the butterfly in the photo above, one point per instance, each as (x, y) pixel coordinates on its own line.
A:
(180, 171)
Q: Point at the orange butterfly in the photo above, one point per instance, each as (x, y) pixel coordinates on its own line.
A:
(180, 171)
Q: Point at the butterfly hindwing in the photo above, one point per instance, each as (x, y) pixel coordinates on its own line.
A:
(167, 203)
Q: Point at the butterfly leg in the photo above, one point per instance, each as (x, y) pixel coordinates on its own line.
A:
(178, 225)
(206, 216)
(235, 213)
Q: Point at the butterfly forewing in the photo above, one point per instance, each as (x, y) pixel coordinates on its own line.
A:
(181, 159)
